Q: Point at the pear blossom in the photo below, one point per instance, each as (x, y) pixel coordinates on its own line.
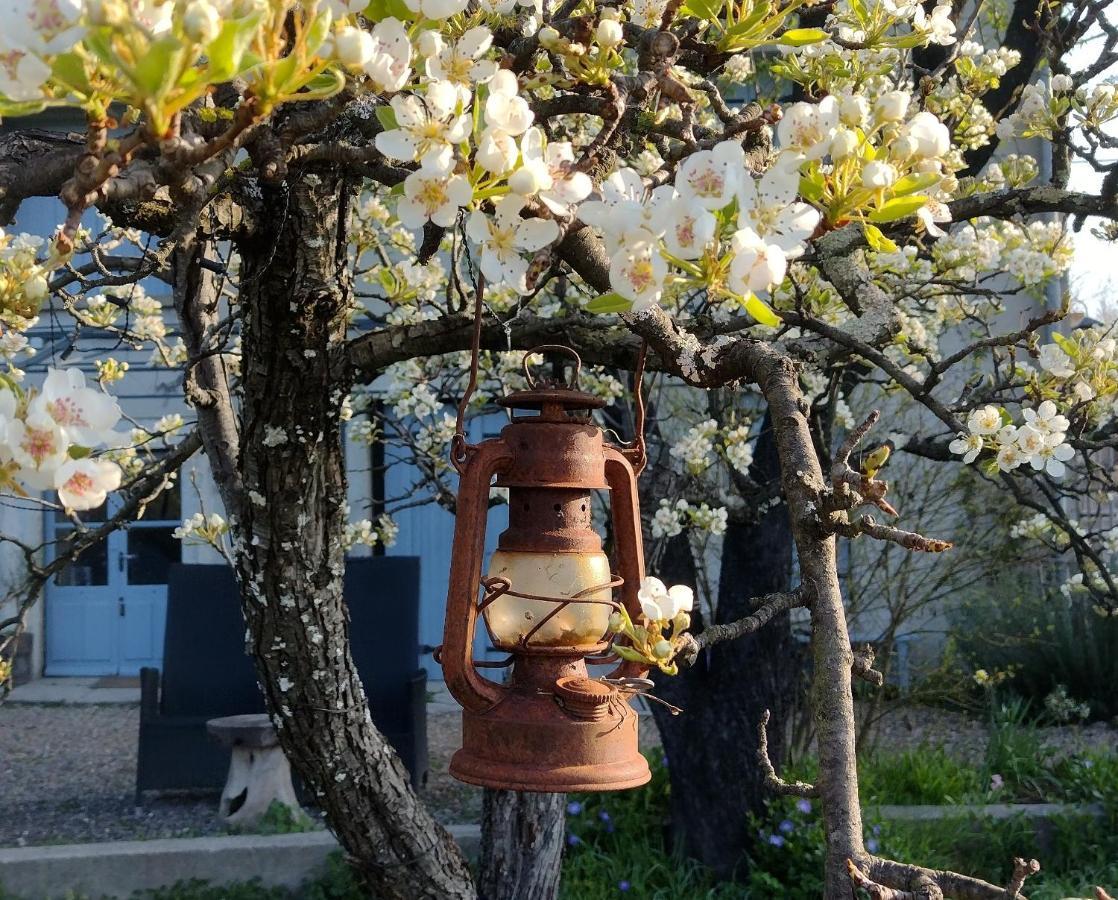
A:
(757, 265)
(768, 206)
(1046, 418)
(505, 110)
(424, 125)
(389, 66)
(968, 446)
(496, 151)
(433, 192)
(503, 236)
(38, 447)
(660, 603)
(1055, 361)
(985, 420)
(621, 214)
(690, 228)
(637, 272)
(711, 177)
(809, 127)
(460, 62)
(549, 167)
(84, 483)
(85, 415)
(436, 9)
(1010, 457)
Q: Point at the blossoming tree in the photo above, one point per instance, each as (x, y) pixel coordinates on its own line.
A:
(791, 204)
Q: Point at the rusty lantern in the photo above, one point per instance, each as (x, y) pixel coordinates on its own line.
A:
(546, 599)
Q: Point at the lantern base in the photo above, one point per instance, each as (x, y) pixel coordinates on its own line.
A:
(528, 742)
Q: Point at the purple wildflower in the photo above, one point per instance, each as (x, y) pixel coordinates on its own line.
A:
(872, 845)
(803, 806)
(574, 808)
(787, 827)
(623, 886)
(573, 840)
(776, 840)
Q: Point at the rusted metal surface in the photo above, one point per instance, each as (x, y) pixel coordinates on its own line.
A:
(551, 727)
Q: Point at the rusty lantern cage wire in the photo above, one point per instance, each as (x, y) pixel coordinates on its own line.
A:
(547, 597)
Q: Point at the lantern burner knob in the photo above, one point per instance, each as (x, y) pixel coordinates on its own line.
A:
(584, 698)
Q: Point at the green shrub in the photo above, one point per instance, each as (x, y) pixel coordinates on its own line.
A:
(1048, 642)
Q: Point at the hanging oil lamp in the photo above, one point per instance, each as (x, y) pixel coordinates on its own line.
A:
(546, 597)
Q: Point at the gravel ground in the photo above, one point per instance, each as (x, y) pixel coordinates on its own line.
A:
(67, 772)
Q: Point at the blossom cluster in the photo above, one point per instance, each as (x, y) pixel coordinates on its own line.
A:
(665, 616)
(671, 517)
(47, 437)
(1040, 441)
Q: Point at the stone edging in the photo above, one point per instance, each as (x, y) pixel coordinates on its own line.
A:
(118, 868)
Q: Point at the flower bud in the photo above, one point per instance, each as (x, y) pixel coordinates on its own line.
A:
(878, 175)
(549, 38)
(525, 181)
(610, 12)
(853, 109)
(904, 147)
(662, 649)
(430, 43)
(615, 622)
(682, 622)
(201, 23)
(844, 143)
(354, 47)
(1062, 83)
(35, 288)
(891, 106)
(609, 33)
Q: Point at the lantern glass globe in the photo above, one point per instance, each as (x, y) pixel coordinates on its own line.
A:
(559, 575)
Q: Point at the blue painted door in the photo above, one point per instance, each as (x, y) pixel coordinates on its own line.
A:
(428, 532)
(106, 612)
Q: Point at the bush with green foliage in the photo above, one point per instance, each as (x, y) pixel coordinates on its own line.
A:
(1058, 651)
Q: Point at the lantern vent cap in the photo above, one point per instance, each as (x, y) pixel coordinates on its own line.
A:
(554, 397)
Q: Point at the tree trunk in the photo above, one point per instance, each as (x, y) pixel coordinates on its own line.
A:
(294, 293)
(711, 746)
(521, 845)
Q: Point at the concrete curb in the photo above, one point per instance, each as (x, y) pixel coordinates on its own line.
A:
(984, 810)
(119, 868)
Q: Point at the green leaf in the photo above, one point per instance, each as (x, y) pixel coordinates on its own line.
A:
(226, 52)
(628, 653)
(156, 67)
(801, 37)
(708, 10)
(898, 208)
(1065, 344)
(384, 9)
(609, 303)
(877, 240)
(319, 30)
(811, 187)
(910, 184)
(15, 108)
(386, 115)
(68, 70)
(323, 85)
(760, 310)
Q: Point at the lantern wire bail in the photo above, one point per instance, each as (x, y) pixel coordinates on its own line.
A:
(460, 448)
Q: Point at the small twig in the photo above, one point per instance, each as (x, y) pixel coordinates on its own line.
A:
(852, 488)
(768, 606)
(773, 781)
(910, 540)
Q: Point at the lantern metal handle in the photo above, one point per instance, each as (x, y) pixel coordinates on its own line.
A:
(474, 692)
(553, 348)
(625, 512)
